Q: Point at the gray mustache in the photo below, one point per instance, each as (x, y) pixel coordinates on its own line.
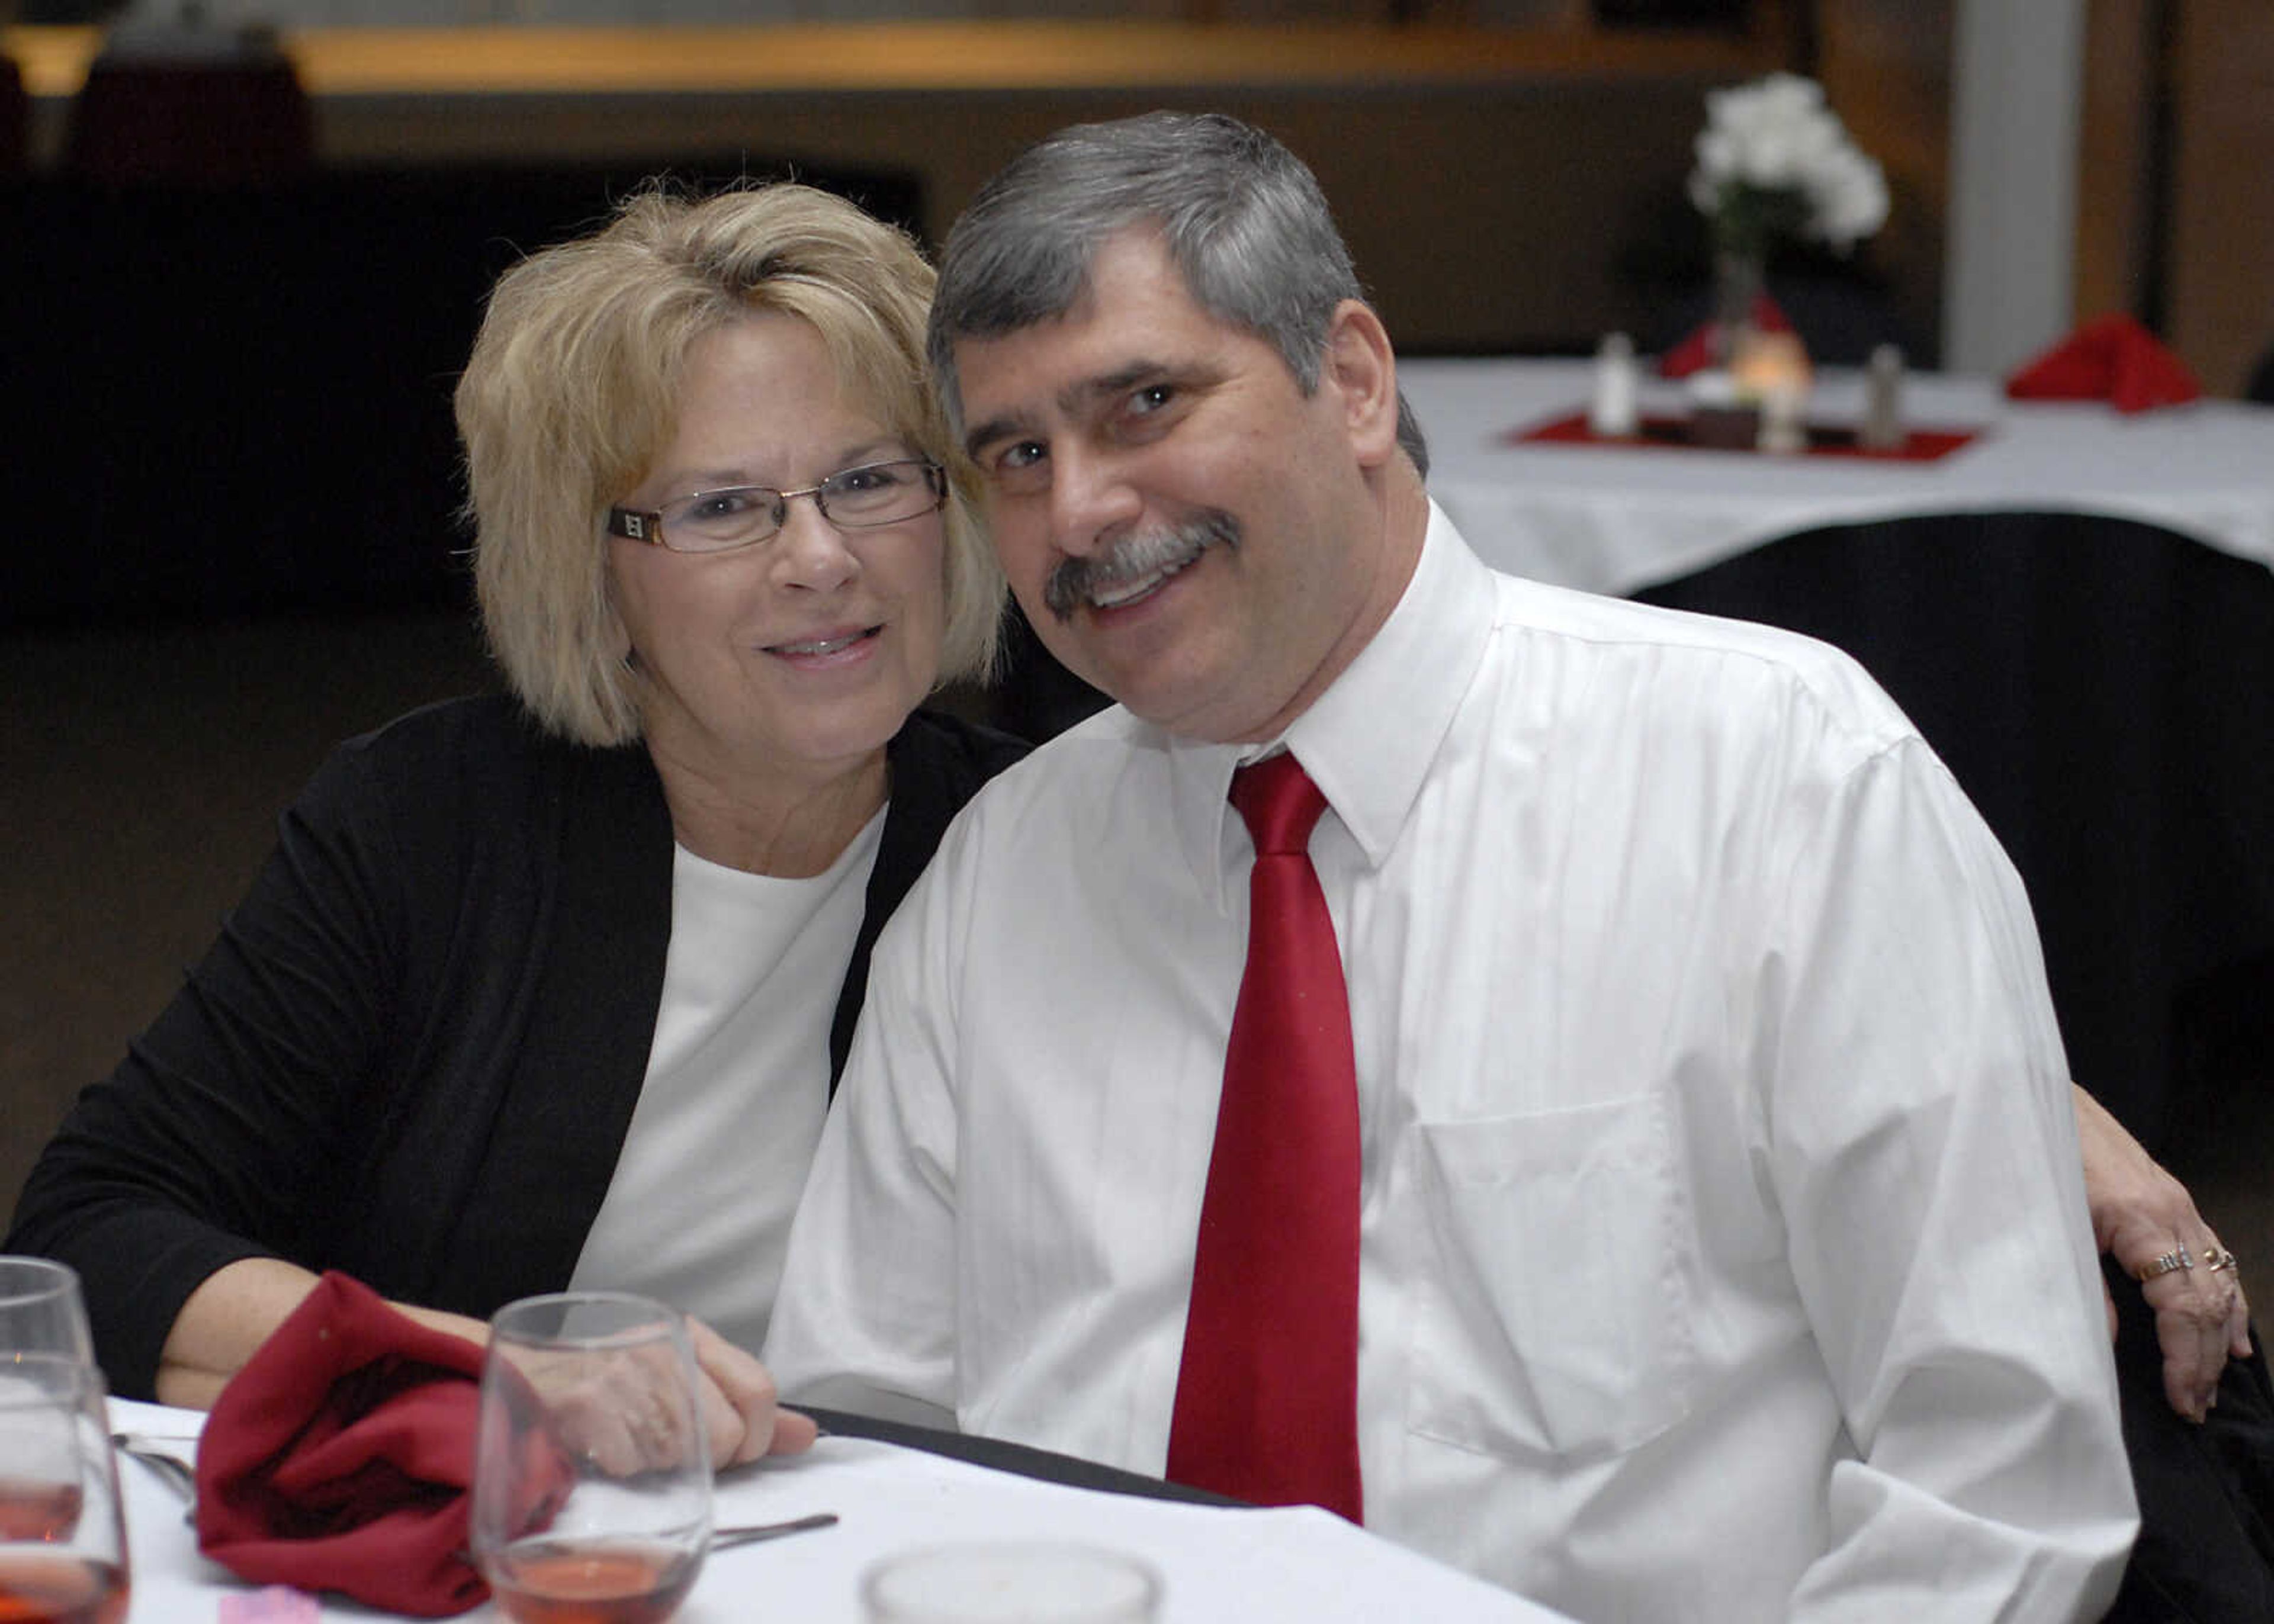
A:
(1133, 556)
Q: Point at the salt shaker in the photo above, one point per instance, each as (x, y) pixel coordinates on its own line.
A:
(1784, 418)
(1883, 427)
(1613, 415)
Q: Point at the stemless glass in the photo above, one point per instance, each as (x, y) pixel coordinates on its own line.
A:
(41, 1311)
(589, 1405)
(1011, 1581)
(63, 1540)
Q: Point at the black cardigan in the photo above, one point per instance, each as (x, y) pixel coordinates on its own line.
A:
(414, 1051)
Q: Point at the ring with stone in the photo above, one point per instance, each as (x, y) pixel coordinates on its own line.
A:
(2168, 1262)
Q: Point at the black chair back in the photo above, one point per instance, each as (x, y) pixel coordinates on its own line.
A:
(231, 122)
(2103, 690)
(15, 119)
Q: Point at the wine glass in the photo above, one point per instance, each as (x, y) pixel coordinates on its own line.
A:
(63, 1539)
(591, 1470)
(41, 1311)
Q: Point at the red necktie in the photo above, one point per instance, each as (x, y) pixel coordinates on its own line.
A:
(1267, 1397)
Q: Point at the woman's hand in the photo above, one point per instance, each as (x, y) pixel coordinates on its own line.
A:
(2141, 1214)
(616, 1410)
(740, 1410)
(237, 1306)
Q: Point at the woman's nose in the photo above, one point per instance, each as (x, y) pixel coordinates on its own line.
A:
(811, 552)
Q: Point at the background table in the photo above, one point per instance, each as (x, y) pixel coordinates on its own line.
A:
(1616, 519)
(2077, 611)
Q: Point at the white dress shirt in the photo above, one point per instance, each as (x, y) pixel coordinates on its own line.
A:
(1724, 1252)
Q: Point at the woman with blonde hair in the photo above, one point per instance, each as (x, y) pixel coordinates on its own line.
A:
(551, 990)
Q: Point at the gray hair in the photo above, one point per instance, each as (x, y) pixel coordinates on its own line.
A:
(1242, 218)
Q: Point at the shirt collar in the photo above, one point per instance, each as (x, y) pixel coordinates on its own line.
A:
(1368, 740)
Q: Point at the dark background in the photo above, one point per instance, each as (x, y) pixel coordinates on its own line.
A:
(235, 401)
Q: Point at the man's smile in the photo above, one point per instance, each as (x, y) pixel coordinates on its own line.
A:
(1135, 566)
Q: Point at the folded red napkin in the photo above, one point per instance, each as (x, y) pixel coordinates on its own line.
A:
(2111, 358)
(1696, 352)
(340, 1458)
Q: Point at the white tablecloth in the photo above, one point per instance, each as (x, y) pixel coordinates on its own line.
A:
(1298, 1566)
(1618, 519)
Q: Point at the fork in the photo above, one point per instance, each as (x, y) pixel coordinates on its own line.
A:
(741, 1534)
(751, 1533)
(184, 1481)
(176, 1472)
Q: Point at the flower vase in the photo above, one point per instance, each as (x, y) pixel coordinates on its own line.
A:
(1739, 274)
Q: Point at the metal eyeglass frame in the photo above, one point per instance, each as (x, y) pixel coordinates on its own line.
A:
(643, 525)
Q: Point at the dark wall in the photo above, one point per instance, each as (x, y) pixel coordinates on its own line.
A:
(238, 402)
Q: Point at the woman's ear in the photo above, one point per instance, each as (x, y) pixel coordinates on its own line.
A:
(1361, 369)
(614, 632)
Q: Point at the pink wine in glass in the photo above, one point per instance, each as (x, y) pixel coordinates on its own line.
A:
(43, 1511)
(596, 1582)
(57, 1588)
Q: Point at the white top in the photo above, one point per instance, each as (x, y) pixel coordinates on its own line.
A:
(1724, 1248)
(697, 1213)
(1609, 519)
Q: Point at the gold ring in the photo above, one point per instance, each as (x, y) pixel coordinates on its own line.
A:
(2220, 1260)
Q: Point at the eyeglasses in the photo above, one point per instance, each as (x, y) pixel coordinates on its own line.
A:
(862, 498)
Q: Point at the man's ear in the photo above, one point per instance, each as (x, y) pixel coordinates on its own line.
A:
(1362, 371)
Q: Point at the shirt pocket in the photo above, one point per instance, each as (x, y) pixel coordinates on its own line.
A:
(1554, 1314)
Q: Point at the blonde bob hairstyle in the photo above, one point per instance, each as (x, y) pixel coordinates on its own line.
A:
(571, 394)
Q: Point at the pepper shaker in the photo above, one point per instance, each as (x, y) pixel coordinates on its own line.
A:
(1883, 428)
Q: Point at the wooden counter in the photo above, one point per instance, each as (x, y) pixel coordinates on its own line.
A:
(934, 56)
(1491, 181)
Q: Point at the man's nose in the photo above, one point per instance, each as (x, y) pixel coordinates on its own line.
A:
(1093, 500)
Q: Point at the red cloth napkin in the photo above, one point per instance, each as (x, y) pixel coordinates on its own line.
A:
(1696, 352)
(341, 1456)
(2111, 358)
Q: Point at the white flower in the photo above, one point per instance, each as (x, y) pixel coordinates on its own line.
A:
(1776, 136)
(1848, 197)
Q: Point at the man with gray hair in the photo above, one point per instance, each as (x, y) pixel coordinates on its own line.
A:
(1673, 1213)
